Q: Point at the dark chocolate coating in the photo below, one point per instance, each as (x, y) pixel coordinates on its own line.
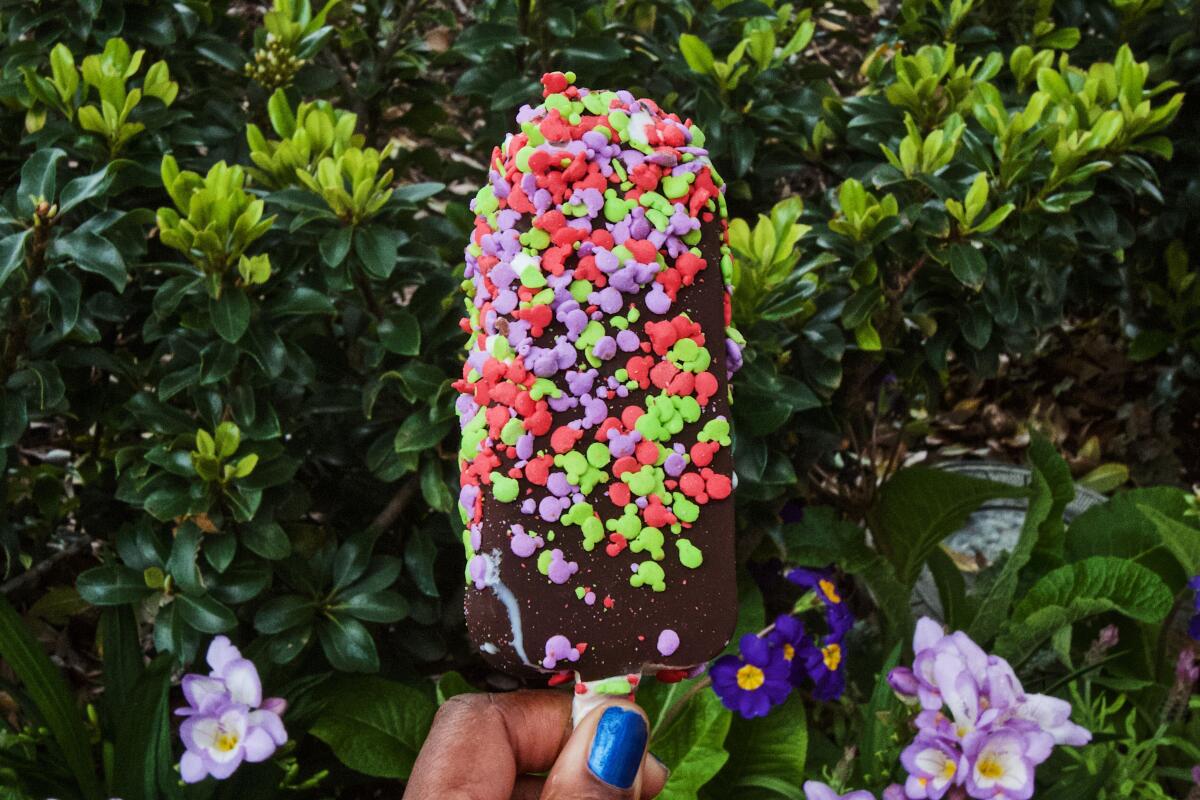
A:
(699, 604)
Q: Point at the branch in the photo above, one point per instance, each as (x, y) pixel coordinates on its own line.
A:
(396, 506)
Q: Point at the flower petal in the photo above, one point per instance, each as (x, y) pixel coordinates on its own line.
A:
(192, 768)
(220, 653)
(258, 745)
(203, 693)
(269, 722)
(815, 790)
(241, 679)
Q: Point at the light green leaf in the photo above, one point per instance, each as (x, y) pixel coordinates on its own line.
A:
(690, 742)
(1077, 591)
(696, 53)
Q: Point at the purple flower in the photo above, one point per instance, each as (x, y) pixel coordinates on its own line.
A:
(788, 634)
(933, 767)
(820, 582)
(228, 721)
(219, 741)
(1194, 624)
(977, 730)
(823, 666)
(815, 790)
(753, 681)
(1001, 763)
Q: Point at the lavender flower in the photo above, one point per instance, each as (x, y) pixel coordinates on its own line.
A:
(815, 790)
(979, 734)
(228, 721)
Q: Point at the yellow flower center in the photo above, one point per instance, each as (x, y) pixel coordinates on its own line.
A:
(750, 678)
(948, 769)
(226, 742)
(789, 652)
(990, 768)
(830, 591)
(832, 654)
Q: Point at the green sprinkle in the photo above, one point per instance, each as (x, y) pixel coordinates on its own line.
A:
(689, 555)
(649, 574)
(504, 488)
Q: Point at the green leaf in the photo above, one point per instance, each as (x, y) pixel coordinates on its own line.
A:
(995, 594)
(418, 433)
(300, 300)
(348, 645)
(690, 743)
(696, 53)
(86, 187)
(335, 245)
(284, 612)
(93, 254)
(822, 538)
(416, 192)
(142, 746)
(266, 538)
(773, 746)
(993, 220)
(38, 178)
(230, 314)
(1183, 541)
(12, 253)
(1106, 477)
(375, 247)
(919, 507)
(384, 607)
(375, 726)
(452, 684)
(1122, 529)
(205, 613)
(968, 265)
(51, 697)
(419, 555)
(182, 562)
(280, 112)
(1045, 459)
(167, 504)
(879, 719)
(1077, 591)
(400, 333)
(112, 585)
(352, 558)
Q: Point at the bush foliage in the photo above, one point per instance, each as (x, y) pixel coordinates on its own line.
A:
(230, 255)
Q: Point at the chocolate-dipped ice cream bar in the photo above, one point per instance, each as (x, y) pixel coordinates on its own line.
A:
(597, 478)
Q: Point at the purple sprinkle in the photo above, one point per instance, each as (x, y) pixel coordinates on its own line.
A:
(668, 642)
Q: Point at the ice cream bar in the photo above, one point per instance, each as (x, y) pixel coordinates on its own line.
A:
(596, 469)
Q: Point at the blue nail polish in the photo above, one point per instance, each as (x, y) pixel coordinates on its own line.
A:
(618, 747)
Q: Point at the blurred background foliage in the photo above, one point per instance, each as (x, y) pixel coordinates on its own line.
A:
(230, 250)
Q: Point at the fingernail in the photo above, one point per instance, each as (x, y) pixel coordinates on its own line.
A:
(618, 746)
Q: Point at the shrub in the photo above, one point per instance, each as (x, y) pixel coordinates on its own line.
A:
(230, 256)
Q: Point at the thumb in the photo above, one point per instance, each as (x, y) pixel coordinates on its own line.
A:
(605, 758)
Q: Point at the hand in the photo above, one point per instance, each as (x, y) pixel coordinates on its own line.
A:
(494, 747)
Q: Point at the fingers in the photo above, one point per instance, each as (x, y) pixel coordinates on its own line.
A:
(605, 758)
(480, 743)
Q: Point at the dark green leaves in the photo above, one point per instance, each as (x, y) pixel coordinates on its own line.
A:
(375, 726)
(919, 507)
(12, 253)
(92, 253)
(112, 585)
(968, 265)
(400, 333)
(52, 700)
(230, 314)
(375, 247)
